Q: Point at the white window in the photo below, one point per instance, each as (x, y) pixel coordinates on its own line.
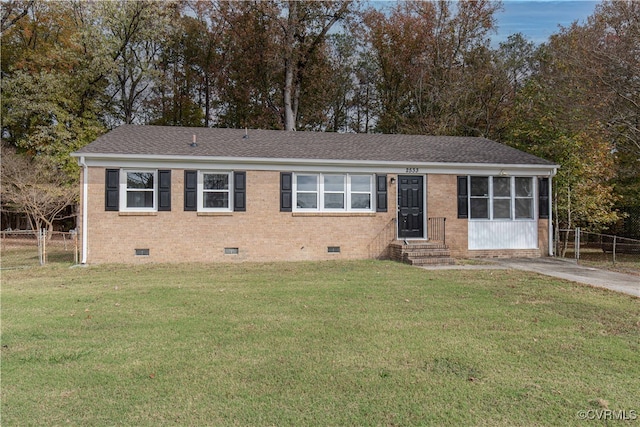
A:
(333, 192)
(335, 187)
(479, 197)
(306, 191)
(524, 198)
(361, 192)
(214, 190)
(138, 190)
(501, 198)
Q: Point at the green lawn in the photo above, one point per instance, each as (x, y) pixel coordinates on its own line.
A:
(327, 344)
(625, 263)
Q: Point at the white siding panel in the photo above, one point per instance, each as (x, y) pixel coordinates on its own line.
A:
(503, 235)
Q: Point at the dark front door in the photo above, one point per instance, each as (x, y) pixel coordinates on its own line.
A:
(410, 207)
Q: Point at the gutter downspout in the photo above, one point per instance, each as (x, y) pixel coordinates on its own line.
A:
(551, 235)
(85, 204)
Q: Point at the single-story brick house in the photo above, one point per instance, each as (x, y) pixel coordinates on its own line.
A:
(176, 194)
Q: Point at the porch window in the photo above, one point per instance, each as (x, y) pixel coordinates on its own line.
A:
(214, 189)
(501, 198)
(138, 190)
(479, 197)
(524, 198)
(333, 192)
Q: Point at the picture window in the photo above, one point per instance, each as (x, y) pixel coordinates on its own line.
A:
(333, 192)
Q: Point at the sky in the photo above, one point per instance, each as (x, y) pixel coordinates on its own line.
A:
(538, 19)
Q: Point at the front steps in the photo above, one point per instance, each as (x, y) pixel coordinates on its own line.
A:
(421, 253)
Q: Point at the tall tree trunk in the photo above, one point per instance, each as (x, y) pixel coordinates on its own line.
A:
(289, 64)
(207, 101)
(289, 117)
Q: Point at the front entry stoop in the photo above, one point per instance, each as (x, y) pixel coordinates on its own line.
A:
(421, 253)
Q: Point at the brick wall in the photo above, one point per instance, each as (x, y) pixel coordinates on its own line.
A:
(442, 202)
(263, 233)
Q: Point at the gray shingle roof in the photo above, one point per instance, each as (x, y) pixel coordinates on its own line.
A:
(273, 144)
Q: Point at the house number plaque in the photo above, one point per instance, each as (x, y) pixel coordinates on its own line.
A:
(411, 170)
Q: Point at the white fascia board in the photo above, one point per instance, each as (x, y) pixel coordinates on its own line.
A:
(316, 165)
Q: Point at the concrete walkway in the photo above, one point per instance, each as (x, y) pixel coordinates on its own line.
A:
(564, 269)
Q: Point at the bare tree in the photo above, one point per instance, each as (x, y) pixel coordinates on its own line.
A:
(13, 11)
(35, 187)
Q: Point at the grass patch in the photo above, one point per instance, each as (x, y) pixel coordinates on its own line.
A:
(327, 343)
(625, 263)
(475, 261)
(28, 256)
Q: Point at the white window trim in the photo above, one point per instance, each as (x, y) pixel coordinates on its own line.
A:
(320, 193)
(533, 198)
(487, 197)
(319, 200)
(124, 190)
(200, 189)
(371, 193)
(510, 198)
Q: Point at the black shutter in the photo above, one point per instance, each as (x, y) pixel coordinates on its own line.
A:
(286, 191)
(112, 186)
(381, 193)
(240, 191)
(164, 190)
(543, 198)
(463, 199)
(190, 190)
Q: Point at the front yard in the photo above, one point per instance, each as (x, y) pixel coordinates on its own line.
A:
(327, 343)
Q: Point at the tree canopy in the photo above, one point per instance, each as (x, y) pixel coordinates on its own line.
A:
(71, 70)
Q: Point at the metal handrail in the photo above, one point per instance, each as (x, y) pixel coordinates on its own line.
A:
(436, 229)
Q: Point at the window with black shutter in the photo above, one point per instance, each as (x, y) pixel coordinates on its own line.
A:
(190, 190)
(286, 191)
(543, 198)
(463, 201)
(381, 193)
(164, 190)
(240, 191)
(112, 187)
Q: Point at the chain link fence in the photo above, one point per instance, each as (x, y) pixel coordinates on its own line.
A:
(599, 250)
(29, 248)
